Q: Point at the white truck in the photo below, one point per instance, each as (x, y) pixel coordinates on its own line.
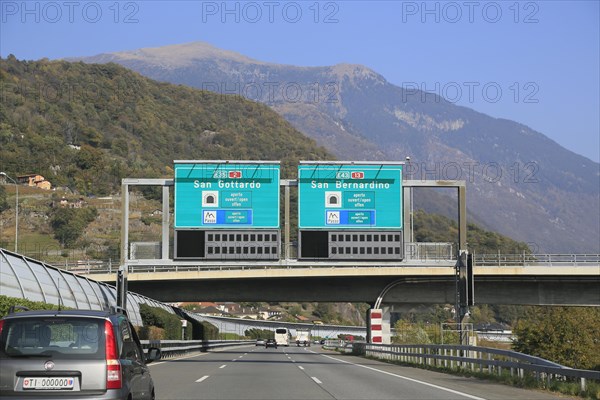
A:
(303, 337)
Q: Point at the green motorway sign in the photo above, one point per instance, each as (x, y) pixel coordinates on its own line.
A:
(226, 194)
(349, 196)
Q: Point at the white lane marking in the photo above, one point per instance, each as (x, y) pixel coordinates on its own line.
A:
(410, 379)
(203, 378)
(316, 380)
(177, 358)
(222, 366)
(301, 367)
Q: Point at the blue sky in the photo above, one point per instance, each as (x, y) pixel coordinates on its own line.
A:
(535, 62)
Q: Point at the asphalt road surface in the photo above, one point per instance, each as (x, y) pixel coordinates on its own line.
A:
(252, 372)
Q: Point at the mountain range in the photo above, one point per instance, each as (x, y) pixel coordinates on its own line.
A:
(519, 182)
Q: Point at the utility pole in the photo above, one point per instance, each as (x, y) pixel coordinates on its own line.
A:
(16, 210)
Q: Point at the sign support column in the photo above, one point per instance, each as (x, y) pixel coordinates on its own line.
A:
(122, 273)
(286, 245)
(165, 223)
(461, 266)
(407, 215)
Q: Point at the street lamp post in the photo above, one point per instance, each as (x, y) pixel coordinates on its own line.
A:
(16, 210)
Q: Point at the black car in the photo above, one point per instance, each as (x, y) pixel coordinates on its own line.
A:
(271, 343)
(73, 354)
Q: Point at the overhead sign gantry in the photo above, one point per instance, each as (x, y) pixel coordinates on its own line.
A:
(350, 210)
(227, 210)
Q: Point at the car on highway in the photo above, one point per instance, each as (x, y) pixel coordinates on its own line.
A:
(260, 342)
(73, 354)
(271, 343)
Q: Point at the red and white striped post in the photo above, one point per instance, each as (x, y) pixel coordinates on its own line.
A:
(375, 325)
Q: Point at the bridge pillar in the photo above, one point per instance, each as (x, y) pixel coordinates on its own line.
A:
(386, 325)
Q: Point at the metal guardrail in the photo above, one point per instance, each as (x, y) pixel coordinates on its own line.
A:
(174, 348)
(474, 358)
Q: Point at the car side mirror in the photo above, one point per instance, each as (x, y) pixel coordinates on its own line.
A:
(153, 354)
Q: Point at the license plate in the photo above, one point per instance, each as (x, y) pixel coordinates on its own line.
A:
(54, 383)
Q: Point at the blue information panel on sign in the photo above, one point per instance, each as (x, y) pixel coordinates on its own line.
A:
(226, 194)
(349, 196)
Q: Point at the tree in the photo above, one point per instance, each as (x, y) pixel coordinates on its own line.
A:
(566, 335)
(69, 223)
(3, 200)
(410, 333)
(482, 314)
(155, 316)
(324, 311)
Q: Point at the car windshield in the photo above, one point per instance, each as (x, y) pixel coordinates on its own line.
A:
(55, 337)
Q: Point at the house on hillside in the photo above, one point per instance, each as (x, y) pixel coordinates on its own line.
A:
(212, 311)
(269, 313)
(65, 203)
(231, 308)
(245, 313)
(34, 180)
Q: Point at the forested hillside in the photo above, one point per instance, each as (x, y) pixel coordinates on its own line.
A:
(437, 228)
(86, 127)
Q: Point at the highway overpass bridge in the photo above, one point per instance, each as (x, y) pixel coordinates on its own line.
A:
(512, 279)
(499, 279)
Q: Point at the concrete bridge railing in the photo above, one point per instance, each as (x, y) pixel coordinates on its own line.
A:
(480, 260)
(515, 260)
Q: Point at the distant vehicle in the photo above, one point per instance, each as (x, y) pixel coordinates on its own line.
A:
(303, 337)
(260, 342)
(283, 336)
(271, 343)
(73, 354)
